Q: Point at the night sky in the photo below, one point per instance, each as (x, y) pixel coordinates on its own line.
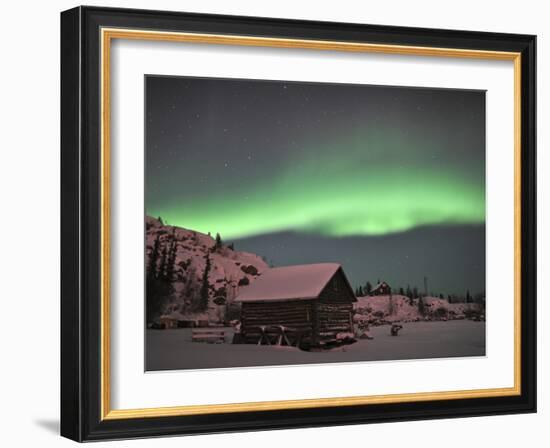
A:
(388, 181)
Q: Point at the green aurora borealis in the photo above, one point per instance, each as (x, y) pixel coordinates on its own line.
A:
(251, 158)
(338, 193)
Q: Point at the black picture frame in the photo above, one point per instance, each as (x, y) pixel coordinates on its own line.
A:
(81, 381)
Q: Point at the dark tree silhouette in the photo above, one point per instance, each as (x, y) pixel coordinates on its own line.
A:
(163, 263)
(171, 262)
(205, 286)
(159, 277)
(219, 243)
(409, 294)
(153, 259)
(421, 306)
(368, 288)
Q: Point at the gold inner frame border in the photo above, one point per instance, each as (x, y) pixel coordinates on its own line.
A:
(107, 36)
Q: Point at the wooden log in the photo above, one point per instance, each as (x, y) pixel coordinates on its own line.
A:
(330, 319)
(275, 316)
(279, 305)
(275, 319)
(207, 335)
(247, 330)
(334, 328)
(272, 320)
(294, 316)
(337, 308)
(329, 333)
(275, 309)
(335, 318)
(334, 313)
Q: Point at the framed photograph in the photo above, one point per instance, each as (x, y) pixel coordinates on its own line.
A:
(276, 224)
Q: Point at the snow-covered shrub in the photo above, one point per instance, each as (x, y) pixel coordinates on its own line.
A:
(440, 312)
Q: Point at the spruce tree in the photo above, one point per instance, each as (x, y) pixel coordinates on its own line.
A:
(151, 282)
(401, 291)
(219, 242)
(368, 288)
(153, 260)
(205, 285)
(163, 264)
(171, 262)
(159, 288)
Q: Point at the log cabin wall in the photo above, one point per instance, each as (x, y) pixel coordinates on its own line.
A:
(295, 314)
(334, 318)
(334, 310)
(322, 318)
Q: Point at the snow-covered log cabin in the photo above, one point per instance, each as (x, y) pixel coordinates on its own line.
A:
(311, 303)
(381, 289)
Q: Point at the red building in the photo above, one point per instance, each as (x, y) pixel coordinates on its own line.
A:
(382, 289)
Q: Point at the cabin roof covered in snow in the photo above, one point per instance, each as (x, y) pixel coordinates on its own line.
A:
(299, 282)
(379, 285)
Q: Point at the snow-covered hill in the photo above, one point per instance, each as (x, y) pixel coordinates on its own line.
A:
(380, 309)
(229, 270)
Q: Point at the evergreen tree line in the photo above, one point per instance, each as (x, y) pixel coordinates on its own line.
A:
(413, 293)
(159, 277)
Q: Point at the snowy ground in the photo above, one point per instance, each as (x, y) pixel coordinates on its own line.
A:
(173, 349)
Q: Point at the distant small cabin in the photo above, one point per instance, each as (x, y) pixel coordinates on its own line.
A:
(312, 303)
(382, 289)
